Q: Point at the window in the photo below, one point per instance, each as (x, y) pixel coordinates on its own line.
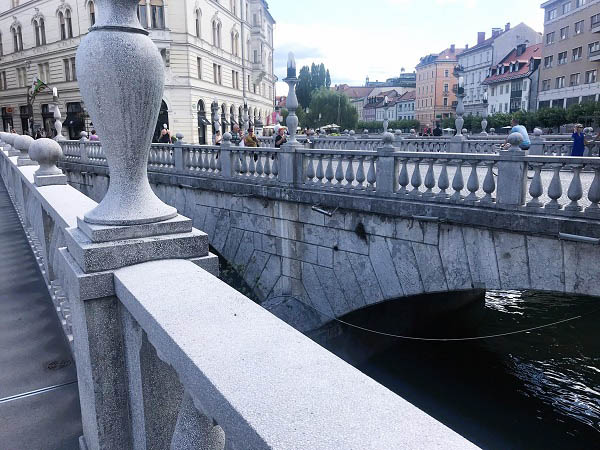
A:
(493, 91)
(564, 33)
(217, 74)
(44, 72)
(566, 7)
(40, 32)
(446, 73)
(594, 47)
(199, 67)
(157, 14)
(445, 101)
(1, 47)
(66, 25)
(445, 88)
(562, 58)
(551, 14)
(235, 43)
(545, 85)
(550, 38)
(142, 13)
(577, 53)
(548, 62)
(92, 12)
(579, 27)
(501, 89)
(3, 80)
(560, 83)
(595, 20)
(579, 3)
(69, 66)
(198, 23)
(22, 76)
(575, 79)
(590, 76)
(17, 38)
(216, 28)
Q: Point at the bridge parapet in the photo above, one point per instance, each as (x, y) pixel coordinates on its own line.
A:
(547, 185)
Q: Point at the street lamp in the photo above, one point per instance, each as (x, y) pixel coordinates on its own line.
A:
(292, 101)
(460, 107)
(484, 114)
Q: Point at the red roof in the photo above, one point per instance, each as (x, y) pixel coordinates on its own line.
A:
(408, 96)
(531, 52)
(354, 91)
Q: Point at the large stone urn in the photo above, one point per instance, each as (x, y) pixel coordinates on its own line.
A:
(121, 78)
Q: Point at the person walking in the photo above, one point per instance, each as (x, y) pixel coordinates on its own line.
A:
(94, 136)
(218, 138)
(579, 142)
(251, 140)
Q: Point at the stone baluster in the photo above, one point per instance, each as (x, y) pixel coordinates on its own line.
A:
(443, 181)
(489, 183)
(473, 182)
(320, 172)
(244, 166)
(237, 163)
(416, 180)
(47, 152)
(575, 191)
(339, 170)
(429, 179)
(555, 190)
(458, 182)
(403, 179)
(267, 165)
(310, 170)
(594, 194)
(275, 167)
(372, 174)
(535, 188)
(329, 171)
(360, 173)
(350, 171)
(252, 164)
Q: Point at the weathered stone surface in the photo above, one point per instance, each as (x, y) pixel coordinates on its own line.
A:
(333, 290)
(221, 231)
(255, 267)
(513, 266)
(234, 238)
(269, 276)
(315, 291)
(291, 268)
(580, 275)
(348, 281)
(481, 254)
(244, 252)
(406, 266)
(382, 263)
(546, 264)
(325, 257)
(367, 280)
(430, 267)
(454, 258)
(350, 241)
(409, 230)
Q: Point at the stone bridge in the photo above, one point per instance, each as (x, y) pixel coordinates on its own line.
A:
(349, 229)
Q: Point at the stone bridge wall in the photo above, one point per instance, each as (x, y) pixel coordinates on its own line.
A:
(287, 251)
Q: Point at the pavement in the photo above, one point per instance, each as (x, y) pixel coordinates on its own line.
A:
(39, 399)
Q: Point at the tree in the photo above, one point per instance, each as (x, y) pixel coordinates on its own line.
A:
(327, 79)
(304, 88)
(334, 107)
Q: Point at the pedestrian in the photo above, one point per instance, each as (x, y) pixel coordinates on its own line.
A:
(236, 137)
(579, 142)
(165, 136)
(251, 140)
(218, 137)
(516, 128)
(94, 136)
(280, 139)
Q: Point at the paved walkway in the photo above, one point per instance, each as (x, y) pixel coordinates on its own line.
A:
(39, 400)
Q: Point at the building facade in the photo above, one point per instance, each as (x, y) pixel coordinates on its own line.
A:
(435, 97)
(571, 53)
(512, 83)
(405, 106)
(477, 60)
(217, 53)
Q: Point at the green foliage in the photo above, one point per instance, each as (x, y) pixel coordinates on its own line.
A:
(374, 127)
(310, 80)
(334, 107)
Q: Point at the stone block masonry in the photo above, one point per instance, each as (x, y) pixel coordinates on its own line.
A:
(286, 251)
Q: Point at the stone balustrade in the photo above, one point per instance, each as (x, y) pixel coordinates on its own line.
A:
(356, 171)
(194, 363)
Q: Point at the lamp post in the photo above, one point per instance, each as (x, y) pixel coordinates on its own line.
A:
(57, 116)
(292, 101)
(245, 125)
(484, 114)
(460, 107)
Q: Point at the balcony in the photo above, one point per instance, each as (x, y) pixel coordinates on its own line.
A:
(595, 55)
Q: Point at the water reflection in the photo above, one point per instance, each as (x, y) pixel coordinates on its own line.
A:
(538, 389)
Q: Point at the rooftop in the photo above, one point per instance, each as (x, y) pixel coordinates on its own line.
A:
(532, 52)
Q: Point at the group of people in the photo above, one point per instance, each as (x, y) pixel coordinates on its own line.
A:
(238, 139)
(579, 139)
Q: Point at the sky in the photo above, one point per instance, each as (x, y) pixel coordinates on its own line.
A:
(377, 38)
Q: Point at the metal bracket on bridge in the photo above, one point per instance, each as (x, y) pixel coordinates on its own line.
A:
(428, 219)
(323, 211)
(576, 238)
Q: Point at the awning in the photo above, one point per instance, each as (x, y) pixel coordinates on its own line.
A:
(204, 120)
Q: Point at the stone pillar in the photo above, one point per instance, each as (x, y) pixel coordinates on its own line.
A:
(178, 153)
(386, 166)
(351, 144)
(225, 156)
(398, 139)
(130, 226)
(537, 143)
(512, 174)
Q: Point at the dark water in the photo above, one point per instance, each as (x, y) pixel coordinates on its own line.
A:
(536, 390)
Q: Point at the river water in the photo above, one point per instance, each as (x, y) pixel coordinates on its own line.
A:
(535, 390)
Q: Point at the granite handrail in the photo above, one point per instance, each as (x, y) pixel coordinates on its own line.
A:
(224, 372)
